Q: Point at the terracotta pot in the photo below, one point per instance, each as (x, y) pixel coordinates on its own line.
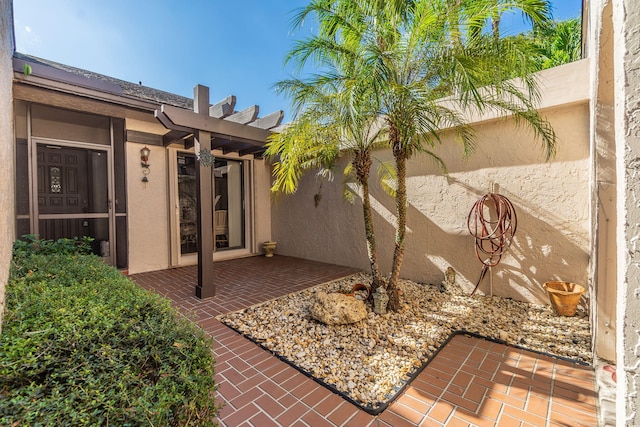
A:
(357, 287)
(361, 287)
(564, 297)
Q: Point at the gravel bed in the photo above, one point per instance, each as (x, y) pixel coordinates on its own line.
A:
(371, 360)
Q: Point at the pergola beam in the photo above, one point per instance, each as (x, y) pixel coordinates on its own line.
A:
(245, 116)
(174, 136)
(217, 143)
(168, 123)
(251, 150)
(223, 108)
(269, 121)
(219, 128)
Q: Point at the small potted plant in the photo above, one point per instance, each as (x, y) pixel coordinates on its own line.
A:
(269, 248)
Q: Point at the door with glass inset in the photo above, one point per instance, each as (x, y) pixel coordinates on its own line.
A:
(228, 204)
(72, 188)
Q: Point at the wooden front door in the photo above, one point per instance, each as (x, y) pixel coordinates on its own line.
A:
(62, 180)
(73, 194)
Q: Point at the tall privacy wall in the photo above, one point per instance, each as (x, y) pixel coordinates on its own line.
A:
(6, 145)
(626, 20)
(552, 201)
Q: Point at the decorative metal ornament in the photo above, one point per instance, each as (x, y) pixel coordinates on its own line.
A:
(56, 179)
(144, 158)
(205, 158)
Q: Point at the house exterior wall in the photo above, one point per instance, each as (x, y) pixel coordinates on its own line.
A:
(149, 210)
(261, 179)
(552, 201)
(626, 21)
(7, 173)
(604, 182)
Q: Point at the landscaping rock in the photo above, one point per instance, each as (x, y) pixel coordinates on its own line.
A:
(335, 308)
(397, 344)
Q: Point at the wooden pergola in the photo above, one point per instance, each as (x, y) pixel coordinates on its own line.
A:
(206, 128)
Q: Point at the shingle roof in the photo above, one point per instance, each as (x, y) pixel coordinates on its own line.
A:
(127, 88)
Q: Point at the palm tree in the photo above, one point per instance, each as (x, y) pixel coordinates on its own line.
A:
(421, 73)
(481, 14)
(558, 42)
(325, 127)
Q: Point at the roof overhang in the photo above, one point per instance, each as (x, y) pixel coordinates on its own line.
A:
(231, 131)
(51, 78)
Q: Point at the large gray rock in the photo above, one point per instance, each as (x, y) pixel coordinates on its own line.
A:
(337, 309)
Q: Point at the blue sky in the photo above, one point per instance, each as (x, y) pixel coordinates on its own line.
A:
(234, 47)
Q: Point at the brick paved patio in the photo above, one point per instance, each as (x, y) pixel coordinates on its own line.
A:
(471, 382)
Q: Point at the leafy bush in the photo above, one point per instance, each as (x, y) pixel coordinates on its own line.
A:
(32, 245)
(83, 345)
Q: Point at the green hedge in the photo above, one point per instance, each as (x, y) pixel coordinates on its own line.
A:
(83, 345)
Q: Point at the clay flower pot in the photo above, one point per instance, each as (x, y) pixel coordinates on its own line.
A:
(360, 287)
(365, 289)
(564, 297)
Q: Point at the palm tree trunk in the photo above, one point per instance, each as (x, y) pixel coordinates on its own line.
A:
(362, 163)
(400, 156)
(371, 239)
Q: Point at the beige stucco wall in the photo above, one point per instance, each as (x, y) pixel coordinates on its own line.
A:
(147, 206)
(147, 203)
(552, 200)
(626, 21)
(604, 195)
(261, 179)
(7, 174)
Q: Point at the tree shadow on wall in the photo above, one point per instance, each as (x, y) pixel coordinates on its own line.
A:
(540, 251)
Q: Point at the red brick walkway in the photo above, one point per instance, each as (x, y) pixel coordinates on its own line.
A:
(471, 382)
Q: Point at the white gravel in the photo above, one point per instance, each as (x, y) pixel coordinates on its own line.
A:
(370, 360)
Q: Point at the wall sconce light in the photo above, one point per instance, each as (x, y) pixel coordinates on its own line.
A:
(144, 157)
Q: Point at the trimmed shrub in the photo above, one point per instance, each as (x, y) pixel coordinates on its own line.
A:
(83, 345)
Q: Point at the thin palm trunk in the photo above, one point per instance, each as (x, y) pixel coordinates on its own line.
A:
(400, 156)
(362, 163)
(372, 251)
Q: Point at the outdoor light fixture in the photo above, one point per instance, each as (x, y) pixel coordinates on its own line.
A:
(144, 157)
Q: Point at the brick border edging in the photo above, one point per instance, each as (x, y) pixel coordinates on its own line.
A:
(520, 347)
(378, 410)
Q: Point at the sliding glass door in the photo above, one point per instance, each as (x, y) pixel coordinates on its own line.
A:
(228, 204)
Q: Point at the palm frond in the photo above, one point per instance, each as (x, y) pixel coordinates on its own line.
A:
(387, 178)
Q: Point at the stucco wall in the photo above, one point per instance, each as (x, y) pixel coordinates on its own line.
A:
(147, 203)
(261, 178)
(7, 174)
(626, 21)
(604, 196)
(552, 200)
